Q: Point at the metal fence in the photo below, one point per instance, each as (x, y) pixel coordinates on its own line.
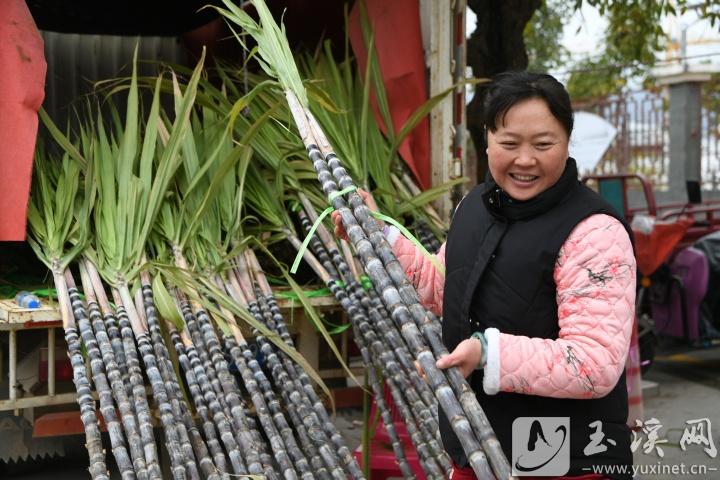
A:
(642, 142)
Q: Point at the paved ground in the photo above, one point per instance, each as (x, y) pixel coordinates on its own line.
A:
(688, 388)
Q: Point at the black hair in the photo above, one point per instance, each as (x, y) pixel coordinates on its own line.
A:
(510, 88)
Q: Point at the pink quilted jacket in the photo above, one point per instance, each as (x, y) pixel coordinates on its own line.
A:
(595, 278)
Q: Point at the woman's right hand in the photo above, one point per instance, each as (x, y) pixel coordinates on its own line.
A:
(337, 219)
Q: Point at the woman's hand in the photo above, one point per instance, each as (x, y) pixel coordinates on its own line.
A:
(466, 357)
(337, 219)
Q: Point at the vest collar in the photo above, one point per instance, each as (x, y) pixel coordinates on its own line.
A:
(504, 207)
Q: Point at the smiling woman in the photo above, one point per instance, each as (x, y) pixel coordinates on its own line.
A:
(528, 131)
(539, 286)
(528, 151)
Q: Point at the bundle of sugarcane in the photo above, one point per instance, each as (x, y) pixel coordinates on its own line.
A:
(419, 328)
(214, 389)
(361, 310)
(380, 356)
(116, 337)
(318, 450)
(140, 176)
(273, 157)
(51, 224)
(262, 304)
(389, 354)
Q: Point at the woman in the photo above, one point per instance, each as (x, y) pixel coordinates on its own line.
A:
(539, 290)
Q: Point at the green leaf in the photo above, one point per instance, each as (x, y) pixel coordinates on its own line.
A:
(430, 195)
(61, 139)
(165, 304)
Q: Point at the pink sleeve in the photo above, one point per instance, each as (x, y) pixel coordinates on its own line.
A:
(428, 282)
(595, 277)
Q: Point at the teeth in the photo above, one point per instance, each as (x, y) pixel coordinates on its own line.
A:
(525, 178)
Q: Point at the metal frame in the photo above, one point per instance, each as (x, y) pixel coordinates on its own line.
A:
(14, 319)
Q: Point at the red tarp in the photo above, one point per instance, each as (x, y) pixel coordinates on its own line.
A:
(22, 89)
(398, 42)
(651, 250)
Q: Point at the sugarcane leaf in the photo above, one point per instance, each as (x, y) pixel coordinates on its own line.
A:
(125, 161)
(214, 187)
(60, 138)
(429, 195)
(243, 102)
(322, 98)
(148, 151)
(417, 116)
(274, 54)
(165, 304)
(170, 159)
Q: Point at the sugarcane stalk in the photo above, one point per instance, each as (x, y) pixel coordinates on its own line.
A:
(203, 369)
(234, 411)
(428, 426)
(426, 237)
(93, 442)
(135, 428)
(385, 415)
(205, 401)
(358, 315)
(354, 264)
(267, 308)
(109, 319)
(107, 406)
(131, 325)
(201, 350)
(263, 397)
(276, 438)
(175, 435)
(397, 344)
(110, 324)
(376, 311)
(293, 396)
(223, 382)
(190, 438)
(240, 351)
(295, 392)
(137, 386)
(357, 293)
(261, 391)
(382, 357)
(400, 313)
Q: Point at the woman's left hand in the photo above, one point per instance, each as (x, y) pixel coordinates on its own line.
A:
(466, 357)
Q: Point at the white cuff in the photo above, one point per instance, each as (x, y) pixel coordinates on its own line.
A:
(391, 234)
(491, 374)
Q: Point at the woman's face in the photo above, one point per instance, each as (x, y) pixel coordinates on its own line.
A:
(527, 153)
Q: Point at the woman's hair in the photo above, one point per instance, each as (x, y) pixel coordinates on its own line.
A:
(510, 88)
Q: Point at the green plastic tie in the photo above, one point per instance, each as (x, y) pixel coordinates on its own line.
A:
(406, 233)
(321, 217)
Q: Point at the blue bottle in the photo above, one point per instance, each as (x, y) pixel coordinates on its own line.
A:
(27, 300)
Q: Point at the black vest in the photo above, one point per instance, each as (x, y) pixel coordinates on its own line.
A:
(500, 257)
